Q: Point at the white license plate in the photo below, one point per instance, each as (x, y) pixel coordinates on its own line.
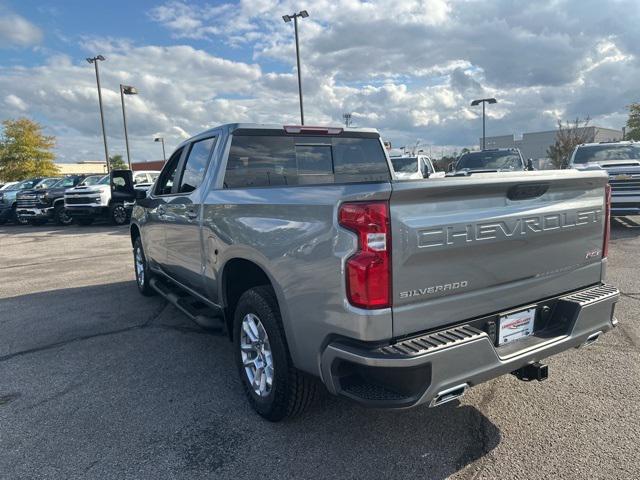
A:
(516, 325)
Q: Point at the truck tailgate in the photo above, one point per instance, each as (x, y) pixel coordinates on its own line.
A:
(466, 247)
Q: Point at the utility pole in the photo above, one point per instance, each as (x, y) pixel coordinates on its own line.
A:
(483, 101)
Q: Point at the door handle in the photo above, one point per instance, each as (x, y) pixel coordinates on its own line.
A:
(192, 214)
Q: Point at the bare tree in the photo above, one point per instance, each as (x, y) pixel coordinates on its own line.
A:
(569, 135)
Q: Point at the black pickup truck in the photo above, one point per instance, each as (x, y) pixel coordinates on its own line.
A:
(38, 205)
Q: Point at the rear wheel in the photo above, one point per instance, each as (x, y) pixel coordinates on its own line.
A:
(84, 221)
(61, 215)
(119, 214)
(143, 273)
(274, 387)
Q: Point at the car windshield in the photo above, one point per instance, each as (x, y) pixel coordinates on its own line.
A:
(405, 164)
(92, 180)
(490, 160)
(602, 153)
(104, 180)
(48, 182)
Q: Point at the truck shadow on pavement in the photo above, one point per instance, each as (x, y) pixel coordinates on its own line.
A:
(100, 379)
(51, 229)
(625, 227)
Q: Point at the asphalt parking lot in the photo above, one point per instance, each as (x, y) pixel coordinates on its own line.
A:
(97, 381)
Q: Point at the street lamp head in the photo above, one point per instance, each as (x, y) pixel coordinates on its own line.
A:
(491, 100)
(94, 59)
(101, 58)
(90, 60)
(304, 14)
(286, 18)
(481, 100)
(129, 90)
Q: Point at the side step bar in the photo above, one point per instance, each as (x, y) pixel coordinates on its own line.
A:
(203, 315)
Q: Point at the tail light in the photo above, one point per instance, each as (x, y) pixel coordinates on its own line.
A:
(368, 271)
(607, 220)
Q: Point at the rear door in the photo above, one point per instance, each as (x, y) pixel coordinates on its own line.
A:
(183, 216)
(466, 247)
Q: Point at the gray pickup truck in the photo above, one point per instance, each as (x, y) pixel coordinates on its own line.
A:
(322, 269)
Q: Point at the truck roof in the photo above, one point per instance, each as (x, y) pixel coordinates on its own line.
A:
(231, 127)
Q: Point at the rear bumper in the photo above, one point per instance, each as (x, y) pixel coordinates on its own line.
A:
(420, 369)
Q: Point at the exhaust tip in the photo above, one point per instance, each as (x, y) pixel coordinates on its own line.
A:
(591, 339)
(449, 394)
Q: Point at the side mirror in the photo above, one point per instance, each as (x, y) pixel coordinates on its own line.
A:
(530, 164)
(122, 186)
(141, 194)
(451, 167)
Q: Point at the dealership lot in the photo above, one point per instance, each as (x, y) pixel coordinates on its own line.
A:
(98, 381)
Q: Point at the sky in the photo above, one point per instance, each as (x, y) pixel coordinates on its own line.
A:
(409, 68)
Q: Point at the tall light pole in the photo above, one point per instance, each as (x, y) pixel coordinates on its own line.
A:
(347, 119)
(95, 60)
(483, 101)
(287, 19)
(126, 90)
(161, 139)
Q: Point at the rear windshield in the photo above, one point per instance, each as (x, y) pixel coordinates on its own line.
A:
(602, 153)
(490, 160)
(266, 160)
(405, 164)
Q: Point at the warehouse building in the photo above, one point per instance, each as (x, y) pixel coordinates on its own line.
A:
(534, 145)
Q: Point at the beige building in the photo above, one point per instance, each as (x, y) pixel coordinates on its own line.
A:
(88, 166)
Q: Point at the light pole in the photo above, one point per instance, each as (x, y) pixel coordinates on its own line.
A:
(126, 90)
(95, 61)
(161, 139)
(347, 119)
(483, 101)
(287, 19)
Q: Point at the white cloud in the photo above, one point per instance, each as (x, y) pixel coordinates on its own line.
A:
(17, 31)
(15, 102)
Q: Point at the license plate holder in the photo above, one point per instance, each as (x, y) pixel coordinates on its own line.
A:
(516, 325)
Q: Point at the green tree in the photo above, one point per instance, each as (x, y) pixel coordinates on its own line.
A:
(568, 136)
(25, 151)
(117, 163)
(633, 124)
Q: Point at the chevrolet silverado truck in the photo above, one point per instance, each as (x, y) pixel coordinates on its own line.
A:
(8, 202)
(414, 167)
(324, 270)
(89, 202)
(38, 205)
(490, 160)
(621, 161)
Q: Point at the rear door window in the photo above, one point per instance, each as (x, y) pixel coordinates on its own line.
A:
(269, 160)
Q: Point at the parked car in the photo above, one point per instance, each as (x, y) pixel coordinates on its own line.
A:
(89, 202)
(5, 186)
(46, 202)
(621, 161)
(8, 198)
(298, 241)
(494, 160)
(413, 168)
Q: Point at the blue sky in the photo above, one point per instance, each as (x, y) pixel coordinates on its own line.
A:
(407, 68)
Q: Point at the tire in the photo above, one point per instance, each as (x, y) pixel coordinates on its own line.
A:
(84, 221)
(61, 216)
(118, 214)
(290, 391)
(17, 219)
(142, 270)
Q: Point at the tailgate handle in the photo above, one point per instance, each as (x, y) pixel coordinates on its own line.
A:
(525, 191)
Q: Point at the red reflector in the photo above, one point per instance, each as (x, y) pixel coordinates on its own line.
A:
(607, 220)
(313, 130)
(368, 271)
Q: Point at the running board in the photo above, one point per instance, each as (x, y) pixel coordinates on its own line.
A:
(203, 315)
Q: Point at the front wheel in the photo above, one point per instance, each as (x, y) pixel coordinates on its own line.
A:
(18, 219)
(274, 387)
(119, 214)
(61, 216)
(143, 273)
